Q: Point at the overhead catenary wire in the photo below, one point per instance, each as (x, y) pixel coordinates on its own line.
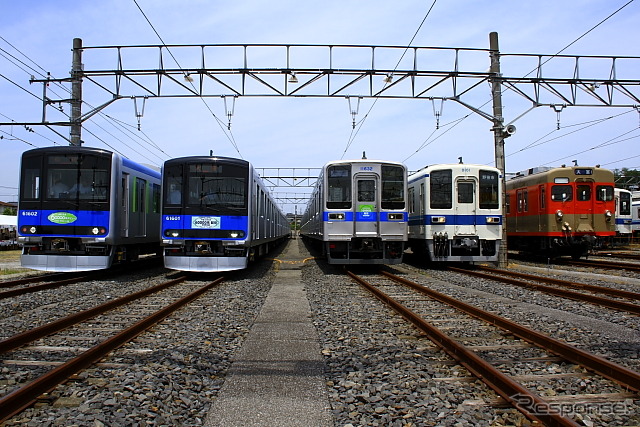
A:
(229, 135)
(119, 125)
(360, 123)
(547, 60)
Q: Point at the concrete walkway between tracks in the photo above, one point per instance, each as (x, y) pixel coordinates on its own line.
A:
(277, 378)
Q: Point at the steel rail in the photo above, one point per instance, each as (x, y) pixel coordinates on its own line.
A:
(37, 288)
(510, 390)
(617, 373)
(29, 279)
(25, 337)
(18, 400)
(594, 299)
(600, 264)
(575, 285)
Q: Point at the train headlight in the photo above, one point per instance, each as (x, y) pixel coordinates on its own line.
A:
(234, 234)
(172, 233)
(559, 215)
(95, 230)
(396, 216)
(33, 230)
(438, 220)
(336, 216)
(493, 220)
(608, 215)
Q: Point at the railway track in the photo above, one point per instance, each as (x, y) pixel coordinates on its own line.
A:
(611, 265)
(17, 399)
(528, 281)
(486, 357)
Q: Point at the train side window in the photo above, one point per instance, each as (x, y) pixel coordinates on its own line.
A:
(561, 193)
(519, 200)
(339, 187)
(583, 192)
(507, 203)
(604, 193)
(525, 199)
(441, 187)
(412, 201)
(488, 194)
(155, 194)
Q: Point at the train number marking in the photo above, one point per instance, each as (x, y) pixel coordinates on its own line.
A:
(209, 222)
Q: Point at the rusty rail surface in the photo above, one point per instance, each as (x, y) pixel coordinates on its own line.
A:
(594, 299)
(617, 373)
(20, 399)
(25, 337)
(600, 264)
(567, 283)
(501, 383)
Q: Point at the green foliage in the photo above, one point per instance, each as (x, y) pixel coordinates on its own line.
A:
(627, 178)
(9, 211)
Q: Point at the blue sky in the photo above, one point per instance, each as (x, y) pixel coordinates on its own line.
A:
(277, 132)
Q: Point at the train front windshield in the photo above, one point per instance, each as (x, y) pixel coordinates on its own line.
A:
(212, 188)
(73, 180)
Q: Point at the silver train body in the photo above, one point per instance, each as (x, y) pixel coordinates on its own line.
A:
(84, 209)
(455, 213)
(217, 214)
(358, 212)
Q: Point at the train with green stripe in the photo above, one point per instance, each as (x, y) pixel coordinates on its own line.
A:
(83, 208)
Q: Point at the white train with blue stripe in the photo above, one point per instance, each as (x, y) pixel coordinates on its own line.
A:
(623, 215)
(455, 213)
(358, 212)
(83, 208)
(217, 214)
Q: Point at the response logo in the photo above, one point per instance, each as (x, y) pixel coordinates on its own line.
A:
(62, 218)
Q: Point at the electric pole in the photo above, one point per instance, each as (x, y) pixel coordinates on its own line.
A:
(498, 136)
(75, 133)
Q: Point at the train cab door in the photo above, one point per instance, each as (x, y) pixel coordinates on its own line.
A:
(465, 207)
(366, 223)
(584, 205)
(124, 206)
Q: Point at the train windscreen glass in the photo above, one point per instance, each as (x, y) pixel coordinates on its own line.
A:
(625, 204)
(339, 187)
(441, 189)
(488, 194)
(393, 187)
(217, 186)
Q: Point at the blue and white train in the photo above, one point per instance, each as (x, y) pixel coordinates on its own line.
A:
(622, 215)
(358, 212)
(83, 208)
(217, 214)
(455, 213)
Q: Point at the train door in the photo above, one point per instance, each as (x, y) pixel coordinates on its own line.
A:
(124, 206)
(140, 208)
(543, 218)
(366, 224)
(465, 207)
(584, 206)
